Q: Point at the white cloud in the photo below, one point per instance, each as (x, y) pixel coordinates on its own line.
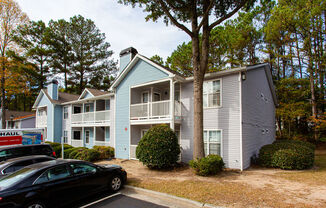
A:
(124, 26)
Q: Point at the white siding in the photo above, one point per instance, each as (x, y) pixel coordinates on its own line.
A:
(66, 123)
(258, 114)
(112, 122)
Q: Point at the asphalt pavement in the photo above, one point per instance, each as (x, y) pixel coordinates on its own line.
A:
(122, 201)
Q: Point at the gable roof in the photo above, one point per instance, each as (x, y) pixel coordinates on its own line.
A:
(130, 65)
(62, 97)
(17, 114)
(24, 117)
(93, 92)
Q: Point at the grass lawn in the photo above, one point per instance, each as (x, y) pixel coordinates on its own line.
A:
(255, 187)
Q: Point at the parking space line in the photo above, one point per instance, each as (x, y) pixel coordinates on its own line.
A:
(95, 202)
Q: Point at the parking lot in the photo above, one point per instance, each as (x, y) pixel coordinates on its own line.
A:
(120, 200)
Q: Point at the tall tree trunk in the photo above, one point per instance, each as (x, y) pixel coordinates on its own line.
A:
(198, 151)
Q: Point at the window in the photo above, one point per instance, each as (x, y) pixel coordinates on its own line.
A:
(65, 137)
(177, 95)
(54, 174)
(79, 168)
(87, 133)
(17, 166)
(76, 135)
(77, 109)
(143, 132)
(107, 105)
(157, 96)
(65, 112)
(212, 142)
(145, 97)
(212, 94)
(87, 108)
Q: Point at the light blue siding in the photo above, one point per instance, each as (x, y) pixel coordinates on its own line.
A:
(107, 134)
(124, 61)
(44, 101)
(142, 72)
(57, 131)
(91, 137)
(53, 91)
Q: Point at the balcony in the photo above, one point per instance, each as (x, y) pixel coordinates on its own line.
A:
(41, 121)
(154, 110)
(96, 117)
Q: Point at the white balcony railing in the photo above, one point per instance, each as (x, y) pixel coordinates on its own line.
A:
(101, 143)
(76, 143)
(91, 117)
(152, 110)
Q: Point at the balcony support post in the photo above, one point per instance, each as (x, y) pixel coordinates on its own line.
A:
(94, 113)
(172, 104)
(94, 137)
(82, 137)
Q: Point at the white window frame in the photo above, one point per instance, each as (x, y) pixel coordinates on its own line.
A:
(221, 142)
(73, 135)
(142, 96)
(65, 113)
(142, 132)
(89, 136)
(65, 136)
(218, 106)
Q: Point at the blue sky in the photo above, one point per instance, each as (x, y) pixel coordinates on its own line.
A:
(124, 26)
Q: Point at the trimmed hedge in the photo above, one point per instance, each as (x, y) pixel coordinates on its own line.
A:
(159, 147)
(57, 148)
(106, 152)
(287, 154)
(83, 153)
(209, 165)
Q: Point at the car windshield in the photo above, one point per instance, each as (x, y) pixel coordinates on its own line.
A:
(15, 177)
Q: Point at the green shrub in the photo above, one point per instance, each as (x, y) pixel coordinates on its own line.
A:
(88, 155)
(75, 152)
(293, 159)
(298, 142)
(287, 154)
(57, 148)
(159, 147)
(105, 151)
(209, 165)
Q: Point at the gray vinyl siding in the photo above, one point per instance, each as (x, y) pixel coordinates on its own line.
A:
(258, 114)
(28, 123)
(227, 119)
(187, 122)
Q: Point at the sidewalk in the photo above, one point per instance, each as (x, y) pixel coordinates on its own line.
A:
(162, 198)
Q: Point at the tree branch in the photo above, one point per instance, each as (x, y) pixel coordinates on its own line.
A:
(217, 22)
(206, 14)
(173, 20)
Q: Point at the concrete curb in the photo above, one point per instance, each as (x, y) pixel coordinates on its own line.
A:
(183, 200)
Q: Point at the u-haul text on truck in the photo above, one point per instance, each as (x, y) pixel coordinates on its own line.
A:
(20, 136)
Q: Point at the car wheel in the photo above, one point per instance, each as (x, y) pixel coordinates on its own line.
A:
(35, 205)
(115, 183)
